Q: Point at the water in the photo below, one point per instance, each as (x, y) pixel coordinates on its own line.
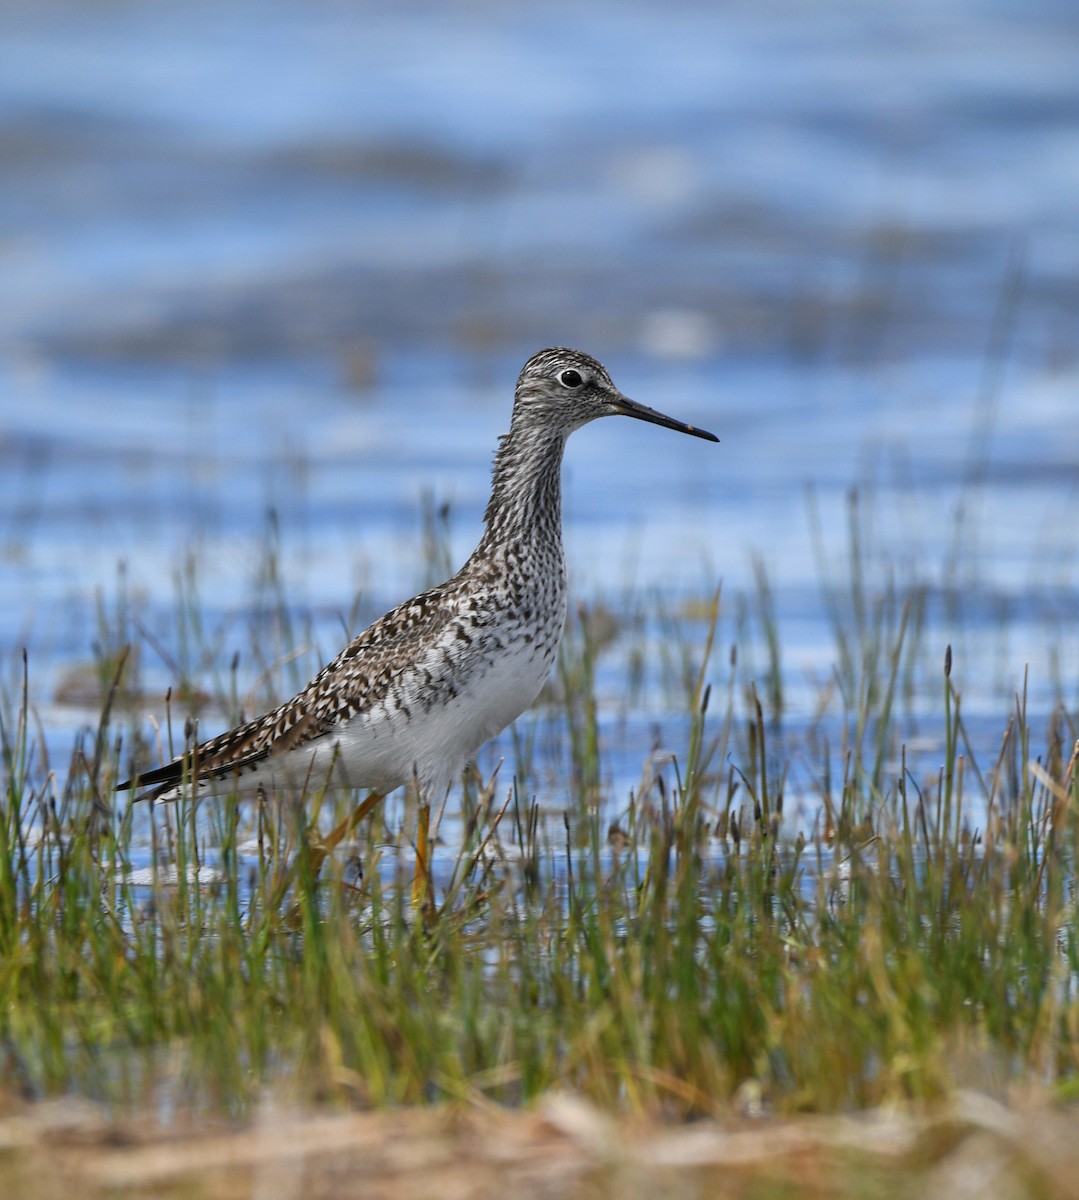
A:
(291, 257)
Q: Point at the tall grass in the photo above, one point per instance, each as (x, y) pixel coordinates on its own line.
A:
(661, 950)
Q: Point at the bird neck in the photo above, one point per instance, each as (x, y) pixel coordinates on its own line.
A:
(526, 488)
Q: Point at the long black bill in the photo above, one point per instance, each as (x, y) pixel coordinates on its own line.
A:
(630, 408)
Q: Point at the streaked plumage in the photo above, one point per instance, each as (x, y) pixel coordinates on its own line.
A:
(419, 691)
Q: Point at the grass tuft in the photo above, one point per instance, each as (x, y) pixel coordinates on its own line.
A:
(785, 906)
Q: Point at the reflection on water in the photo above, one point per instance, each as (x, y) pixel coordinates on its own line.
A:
(291, 258)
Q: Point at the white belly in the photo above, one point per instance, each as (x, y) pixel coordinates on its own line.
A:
(385, 749)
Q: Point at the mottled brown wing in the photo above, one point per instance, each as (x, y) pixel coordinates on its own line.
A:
(356, 679)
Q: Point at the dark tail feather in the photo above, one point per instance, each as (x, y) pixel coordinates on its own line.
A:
(159, 780)
(163, 779)
(170, 773)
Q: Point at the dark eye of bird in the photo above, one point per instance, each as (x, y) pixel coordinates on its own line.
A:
(571, 379)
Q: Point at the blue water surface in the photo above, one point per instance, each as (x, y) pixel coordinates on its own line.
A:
(289, 258)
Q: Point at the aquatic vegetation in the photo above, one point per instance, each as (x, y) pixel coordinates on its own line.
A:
(824, 904)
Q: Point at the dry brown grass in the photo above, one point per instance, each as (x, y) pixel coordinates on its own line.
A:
(563, 1147)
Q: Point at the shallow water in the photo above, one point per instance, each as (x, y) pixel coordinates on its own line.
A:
(292, 256)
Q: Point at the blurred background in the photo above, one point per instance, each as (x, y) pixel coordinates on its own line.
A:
(289, 257)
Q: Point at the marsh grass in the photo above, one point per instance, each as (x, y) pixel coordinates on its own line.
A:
(672, 950)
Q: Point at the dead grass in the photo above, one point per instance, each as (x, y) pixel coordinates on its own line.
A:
(562, 1147)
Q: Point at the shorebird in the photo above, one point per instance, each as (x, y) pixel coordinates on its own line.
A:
(412, 698)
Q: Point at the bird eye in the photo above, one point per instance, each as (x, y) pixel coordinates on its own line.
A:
(571, 379)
